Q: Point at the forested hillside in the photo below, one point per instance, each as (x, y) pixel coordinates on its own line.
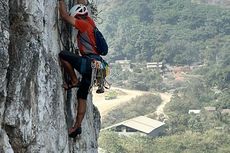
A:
(177, 33)
(172, 31)
(222, 3)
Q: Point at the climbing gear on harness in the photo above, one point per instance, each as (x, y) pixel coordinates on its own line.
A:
(99, 71)
(78, 9)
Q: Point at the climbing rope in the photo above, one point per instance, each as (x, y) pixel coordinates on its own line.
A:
(94, 11)
(67, 45)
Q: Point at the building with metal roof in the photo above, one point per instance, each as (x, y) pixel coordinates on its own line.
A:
(141, 124)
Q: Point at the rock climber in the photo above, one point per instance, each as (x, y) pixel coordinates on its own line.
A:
(79, 19)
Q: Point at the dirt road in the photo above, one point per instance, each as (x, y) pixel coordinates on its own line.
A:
(166, 97)
(105, 106)
(126, 95)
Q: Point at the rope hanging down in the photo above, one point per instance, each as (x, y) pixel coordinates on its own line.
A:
(64, 33)
(64, 45)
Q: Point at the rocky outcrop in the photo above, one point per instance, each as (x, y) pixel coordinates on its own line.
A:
(33, 108)
(4, 63)
(4, 57)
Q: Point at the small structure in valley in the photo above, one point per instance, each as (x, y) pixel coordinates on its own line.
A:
(154, 65)
(142, 125)
(210, 109)
(194, 111)
(125, 64)
(225, 111)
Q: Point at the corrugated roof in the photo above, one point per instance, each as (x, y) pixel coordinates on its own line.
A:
(141, 123)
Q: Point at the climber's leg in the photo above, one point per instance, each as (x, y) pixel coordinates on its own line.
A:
(81, 109)
(70, 71)
(82, 94)
(70, 61)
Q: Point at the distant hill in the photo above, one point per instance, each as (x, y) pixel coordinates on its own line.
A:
(225, 3)
(215, 2)
(177, 32)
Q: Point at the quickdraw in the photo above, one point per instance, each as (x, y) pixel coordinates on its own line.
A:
(99, 72)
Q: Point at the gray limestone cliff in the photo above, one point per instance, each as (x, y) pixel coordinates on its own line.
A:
(33, 108)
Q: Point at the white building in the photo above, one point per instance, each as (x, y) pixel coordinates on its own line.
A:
(154, 65)
(194, 111)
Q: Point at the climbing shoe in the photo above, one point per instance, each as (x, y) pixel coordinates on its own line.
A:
(75, 133)
(68, 86)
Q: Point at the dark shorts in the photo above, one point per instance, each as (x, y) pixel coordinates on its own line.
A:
(83, 66)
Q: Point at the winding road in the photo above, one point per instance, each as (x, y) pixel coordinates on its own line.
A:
(106, 106)
(166, 97)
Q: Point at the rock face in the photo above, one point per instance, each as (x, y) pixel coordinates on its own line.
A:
(33, 108)
(4, 63)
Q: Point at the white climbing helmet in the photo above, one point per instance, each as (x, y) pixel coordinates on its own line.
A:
(78, 9)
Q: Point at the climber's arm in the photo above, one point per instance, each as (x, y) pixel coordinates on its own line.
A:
(64, 14)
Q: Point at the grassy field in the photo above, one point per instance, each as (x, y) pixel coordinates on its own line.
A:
(123, 96)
